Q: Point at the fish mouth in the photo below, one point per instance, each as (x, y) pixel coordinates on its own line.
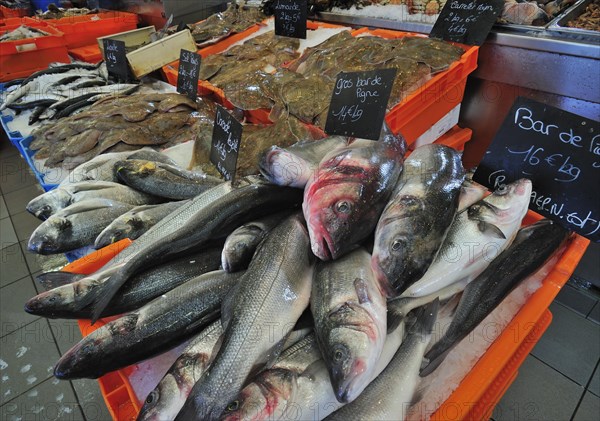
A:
(383, 282)
(325, 250)
(347, 391)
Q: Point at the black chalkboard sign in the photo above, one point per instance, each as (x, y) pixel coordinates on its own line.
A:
(115, 58)
(226, 139)
(187, 75)
(290, 18)
(560, 153)
(359, 103)
(467, 21)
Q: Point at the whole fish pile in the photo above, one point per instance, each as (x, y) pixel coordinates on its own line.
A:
(62, 90)
(22, 32)
(288, 312)
(55, 12)
(220, 25)
(122, 124)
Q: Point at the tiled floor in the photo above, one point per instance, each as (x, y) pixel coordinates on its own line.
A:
(560, 380)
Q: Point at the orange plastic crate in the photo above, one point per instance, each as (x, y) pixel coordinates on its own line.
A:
(88, 53)
(23, 57)
(7, 12)
(83, 30)
(479, 391)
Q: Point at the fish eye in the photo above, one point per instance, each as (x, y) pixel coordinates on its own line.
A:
(233, 406)
(397, 245)
(343, 207)
(152, 397)
(502, 190)
(339, 353)
(51, 299)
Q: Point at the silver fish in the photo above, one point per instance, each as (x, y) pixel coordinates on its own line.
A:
(470, 193)
(475, 238)
(156, 327)
(75, 226)
(134, 223)
(274, 292)
(350, 321)
(51, 202)
(390, 394)
(416, 219)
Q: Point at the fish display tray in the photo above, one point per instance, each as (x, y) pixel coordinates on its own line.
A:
(83, 30)
(205, 88)
(479, 391)
(46, 180)
(23, 57)
(560, 23)
(14, 136)
(7, 12)
(88, 53)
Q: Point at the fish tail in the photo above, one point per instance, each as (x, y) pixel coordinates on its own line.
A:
(432, 360)
(426, 318)
(101, 297)
(51, 280)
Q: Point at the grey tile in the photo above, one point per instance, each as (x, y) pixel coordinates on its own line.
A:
(24, 224)
(12, 300)
(588, 267)
(50, 400)
(38, 262)
(17, 200)
(91, 400)
(594, 314)
(66, 333)
(594, 386)
(571, 344)
(15, 180)
(12, 264)
(589, 409)
(12, 163)
(7, 232)
(568, 296)
(7, 148)
(3, 208)
(28, 358)
(538, 393)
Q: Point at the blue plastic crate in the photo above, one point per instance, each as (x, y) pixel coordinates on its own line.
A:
(47, 181)
(14, 136)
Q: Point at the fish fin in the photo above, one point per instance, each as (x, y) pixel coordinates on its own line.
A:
(51, 280)
(362, 291)
(395, 314)
(428, 365)
(491, 229)
(426, 317)
(100, 298)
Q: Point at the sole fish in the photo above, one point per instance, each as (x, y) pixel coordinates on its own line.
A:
(274, 292)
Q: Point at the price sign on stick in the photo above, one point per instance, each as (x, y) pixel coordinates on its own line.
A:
(467, 21)
(115, 58)
(359, 103)
(290, 18)
(560, 153)
(226, 140)
(187, 75)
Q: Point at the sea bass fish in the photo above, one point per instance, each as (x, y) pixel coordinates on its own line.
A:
(350, 321)
(390, 394)
(134, 223)
(157, 326)
(215, 220)
(242, 243)
(293, 166)
(532, 246)
(164, 180)
(298, 386)
(65, 290)
(274, 292)
(75, 226)
(344, 198)
(49, 203)
(415, 221)
(475, 238)
(167, 398)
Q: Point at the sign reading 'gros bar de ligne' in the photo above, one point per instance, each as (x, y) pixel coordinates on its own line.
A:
(560, 153)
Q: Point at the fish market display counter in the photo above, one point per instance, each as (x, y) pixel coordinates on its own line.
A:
(555, 67)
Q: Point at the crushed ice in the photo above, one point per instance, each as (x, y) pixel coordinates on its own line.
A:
(3, 364)
(25, 368)
(22, 351)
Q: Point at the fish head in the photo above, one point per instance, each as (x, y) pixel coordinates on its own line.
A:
(51, 303)
(339, 215)
(265, 398)
(284, 168)
(350, 351)
(504, 209)
(49, 203)
(163, 402)
(47, 237)
(240, 246)
(395, 242)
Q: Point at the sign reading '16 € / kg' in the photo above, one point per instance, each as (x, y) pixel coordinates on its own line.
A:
(226, 140)
(116, 60)
(188, 73)
(560, 153)
(359, 103)
(467, 21)
(290, 18)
